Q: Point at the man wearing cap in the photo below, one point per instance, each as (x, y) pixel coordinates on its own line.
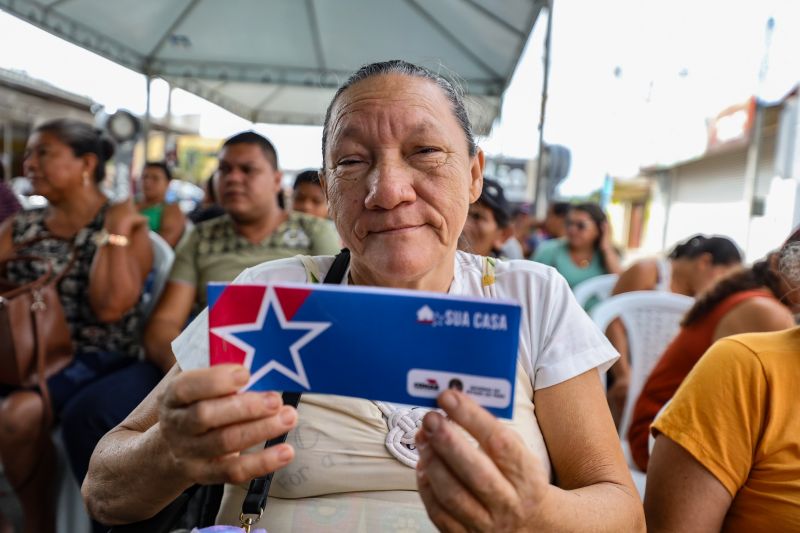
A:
(488, 226)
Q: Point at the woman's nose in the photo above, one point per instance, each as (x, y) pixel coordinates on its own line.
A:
(391, 183)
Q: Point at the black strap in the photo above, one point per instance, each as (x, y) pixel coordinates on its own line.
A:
(256, 499)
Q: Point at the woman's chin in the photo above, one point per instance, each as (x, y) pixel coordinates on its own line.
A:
(401, 265)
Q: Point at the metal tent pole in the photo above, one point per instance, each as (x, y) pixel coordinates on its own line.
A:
(146, 125)
(539, 207)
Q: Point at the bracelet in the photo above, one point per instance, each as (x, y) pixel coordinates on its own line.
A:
(103, 237)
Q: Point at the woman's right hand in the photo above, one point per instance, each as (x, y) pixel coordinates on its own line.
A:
(206, 424)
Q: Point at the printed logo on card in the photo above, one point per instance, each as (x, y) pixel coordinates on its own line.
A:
(456, 318)
(489, 392)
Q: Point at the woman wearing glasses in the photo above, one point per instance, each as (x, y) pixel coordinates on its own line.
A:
(586, 251)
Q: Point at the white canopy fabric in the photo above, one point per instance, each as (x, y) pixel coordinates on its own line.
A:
(280, 61)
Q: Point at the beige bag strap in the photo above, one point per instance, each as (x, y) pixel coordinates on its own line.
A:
(312, 269)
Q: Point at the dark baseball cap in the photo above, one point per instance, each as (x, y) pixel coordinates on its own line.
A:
(493, 197)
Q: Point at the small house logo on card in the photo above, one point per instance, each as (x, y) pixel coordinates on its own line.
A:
(429, 384)
(425, 315)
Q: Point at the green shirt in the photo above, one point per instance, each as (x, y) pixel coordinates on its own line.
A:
(153, 214)
(555, 253)
(213, 251)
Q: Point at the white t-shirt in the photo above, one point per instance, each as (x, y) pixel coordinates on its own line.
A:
(343, 478)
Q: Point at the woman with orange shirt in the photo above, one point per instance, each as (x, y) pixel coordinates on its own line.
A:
(746, 301)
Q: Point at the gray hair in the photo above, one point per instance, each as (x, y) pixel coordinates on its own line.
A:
(397, 66)
(789, 262)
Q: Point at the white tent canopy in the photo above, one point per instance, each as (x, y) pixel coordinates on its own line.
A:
(280, 61)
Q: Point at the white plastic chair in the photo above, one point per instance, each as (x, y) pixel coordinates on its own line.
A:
(651, 320)
(163, 256)
(600, 286)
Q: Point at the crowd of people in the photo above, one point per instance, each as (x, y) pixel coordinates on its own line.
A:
(402, 190)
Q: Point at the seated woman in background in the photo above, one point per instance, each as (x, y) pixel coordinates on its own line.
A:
(65, 160)
(165, 219)
(727, 450)
(586, 251)
(488, 224)
(689, 269)
(749, 300)
(308, 196)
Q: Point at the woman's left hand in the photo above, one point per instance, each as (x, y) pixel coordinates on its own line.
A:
(500, 486)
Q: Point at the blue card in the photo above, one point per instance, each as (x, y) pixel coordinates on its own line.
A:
(379, 344)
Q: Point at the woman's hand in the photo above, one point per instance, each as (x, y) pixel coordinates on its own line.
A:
(206, 425)
(610, 254)
(605, 238)
(123, 219)
(501, 486)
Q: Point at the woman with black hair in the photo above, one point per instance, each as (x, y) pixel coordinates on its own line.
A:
(65, 162)
(488, 224)
(586, 251)
(164, 218)
(689, 269)
(308, 196)
(749, 300)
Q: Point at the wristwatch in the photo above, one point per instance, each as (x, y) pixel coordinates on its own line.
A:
(103, 237)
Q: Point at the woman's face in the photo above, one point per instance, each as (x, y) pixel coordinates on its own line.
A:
(310, 199)
(702, 271)
(154, 184)
(52, 166)
(481, 231)
(582, 232)
(399, 178)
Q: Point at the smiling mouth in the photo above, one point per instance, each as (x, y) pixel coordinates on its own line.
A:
(396, 231)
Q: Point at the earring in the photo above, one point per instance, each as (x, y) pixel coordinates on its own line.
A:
(85, 178)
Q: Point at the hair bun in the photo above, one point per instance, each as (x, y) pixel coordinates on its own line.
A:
(107, 147)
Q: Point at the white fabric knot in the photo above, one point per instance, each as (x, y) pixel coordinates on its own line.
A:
(403, 424)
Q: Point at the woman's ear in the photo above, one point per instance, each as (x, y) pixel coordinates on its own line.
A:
(476, 176)
(89, 161)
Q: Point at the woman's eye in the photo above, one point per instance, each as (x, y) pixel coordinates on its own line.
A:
(347, 162)
(428, 150)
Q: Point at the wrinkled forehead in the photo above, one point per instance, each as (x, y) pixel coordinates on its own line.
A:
(392, 105)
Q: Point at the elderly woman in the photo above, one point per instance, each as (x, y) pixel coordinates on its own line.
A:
(400, 170)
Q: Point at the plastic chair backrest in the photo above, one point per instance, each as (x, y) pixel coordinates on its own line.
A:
(599, 286)
(163, 256)
(651, 320)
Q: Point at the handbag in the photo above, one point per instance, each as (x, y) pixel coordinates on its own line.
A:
(36, 341)
(198, 505)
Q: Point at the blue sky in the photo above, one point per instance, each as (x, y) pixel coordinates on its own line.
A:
(632, 81)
